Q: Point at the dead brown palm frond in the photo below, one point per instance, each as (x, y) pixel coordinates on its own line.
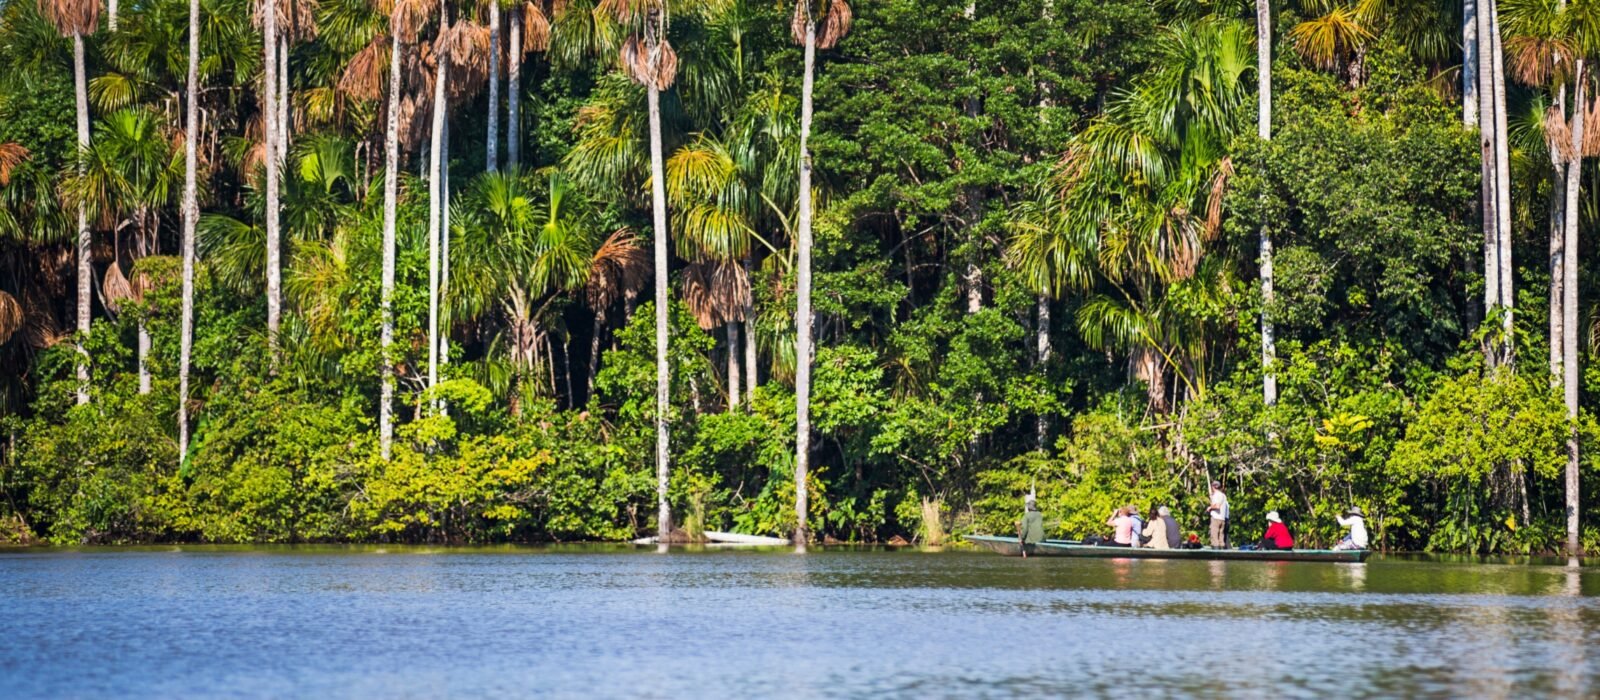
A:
(71, 16)
(39, 329)
(11, 156)
(1180, 244)
(535, 29)
(115, 288)
(835, 25)
(1557, 136)
(620, 267)
(1591, 129)
(467, 45)
(365, 76)
(415, 113)
(407, 17)
(1219, 187)
(297, 19)
(11, 316)
(716, 293)
(1535, 60)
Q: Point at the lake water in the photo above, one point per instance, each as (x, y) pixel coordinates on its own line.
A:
(613, 622)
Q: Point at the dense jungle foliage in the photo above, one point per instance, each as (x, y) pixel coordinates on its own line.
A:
(1035, 268)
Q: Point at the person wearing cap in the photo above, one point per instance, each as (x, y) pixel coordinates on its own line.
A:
(1219, 516)
(1030, 530)
(1134, 539)
(1277, 536)
(1157, 534)
(1357, 522)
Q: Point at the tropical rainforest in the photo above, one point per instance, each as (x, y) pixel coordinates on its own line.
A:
(837, 270)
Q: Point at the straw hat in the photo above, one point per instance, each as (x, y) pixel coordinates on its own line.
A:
(1273, 517)
(1356, 511)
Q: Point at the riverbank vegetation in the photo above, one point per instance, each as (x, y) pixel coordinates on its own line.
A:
(402, 261)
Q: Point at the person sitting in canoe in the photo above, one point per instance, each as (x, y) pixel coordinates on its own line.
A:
(1357, 522)
(1162, 531)
(1277, 536)
(1126, 532)
(1030, 530)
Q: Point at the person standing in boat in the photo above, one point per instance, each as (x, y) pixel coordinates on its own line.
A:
(1277, 536)
(1030, 530)
(1219, 516)
(1157, 534)
(1357, 522)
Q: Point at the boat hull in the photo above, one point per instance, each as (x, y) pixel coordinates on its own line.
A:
(1059, 548)
(1012, 547)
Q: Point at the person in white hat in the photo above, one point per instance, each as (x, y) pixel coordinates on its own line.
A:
(1357, 522)
(1030, 530)
(1277, 536)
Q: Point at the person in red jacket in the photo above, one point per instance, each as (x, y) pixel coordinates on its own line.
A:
(1277, 536)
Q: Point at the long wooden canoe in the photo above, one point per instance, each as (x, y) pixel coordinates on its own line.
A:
(1012, 547)
(1062, 548)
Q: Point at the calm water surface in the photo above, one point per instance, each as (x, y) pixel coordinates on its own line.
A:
(607, 622)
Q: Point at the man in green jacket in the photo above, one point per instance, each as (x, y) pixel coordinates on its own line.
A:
(1030, 530)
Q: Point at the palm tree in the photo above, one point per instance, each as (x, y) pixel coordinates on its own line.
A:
(835, 24)
(75, 18)
(649, 60)
(191, 215)
(491, 144)
(405, 20)
(1137, 199)
(267, 13)
(441, 58)
(1264, 130)
(126, 181)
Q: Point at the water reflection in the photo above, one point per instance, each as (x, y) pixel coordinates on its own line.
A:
(584, 621)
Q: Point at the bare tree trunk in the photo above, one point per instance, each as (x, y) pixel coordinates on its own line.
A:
(1487, 189)
(391, 173)
(492, 142)
(269, 131)
(594, 351)
(732, 331)
(1558, 203)
(285, 126)
(1503, 185)
(1569, 340)
(435, 210)
(444, 251)
(1042, 345)
(111, 19)
(1469, 63)
(514, 94)
(751, 379)
(85, 241)
(191, 215)
(144, 357)
(658, 205)
(802, 316)
(1269, 349)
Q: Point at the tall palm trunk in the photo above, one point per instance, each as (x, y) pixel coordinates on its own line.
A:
(111, 15)
(514, 94)
(1469, 63)
(283, 99)
(144, 357)
(435, 210)
(658, 205)
(802, 314)
(751, 379)
(391, 164)
(1042, 346)
(1269, 349)
(269, 122)
(492, 142)
(1502, 183)
(731, 329)
(191, 214)
(1488, 194)
(444, 251)
(1569, 339)
(85, 254)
